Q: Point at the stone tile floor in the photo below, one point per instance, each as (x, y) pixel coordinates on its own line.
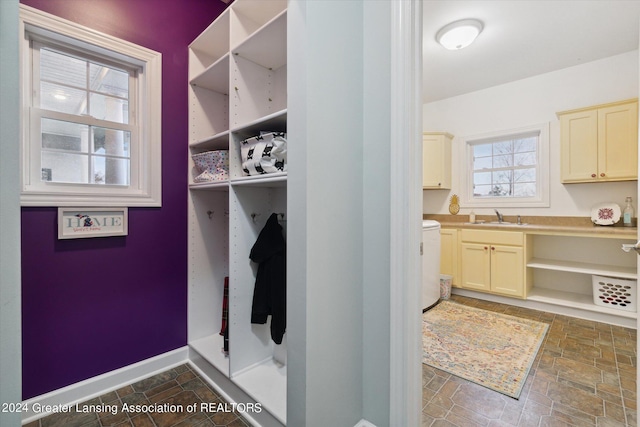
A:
(173, 390)
(583, 375)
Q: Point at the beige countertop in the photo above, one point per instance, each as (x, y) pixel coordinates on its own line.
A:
(537, 225)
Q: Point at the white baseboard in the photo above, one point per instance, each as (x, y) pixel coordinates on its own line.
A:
(101, 384)
(364, 423)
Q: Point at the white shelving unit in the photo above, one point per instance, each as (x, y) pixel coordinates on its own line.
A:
(563, 265)
(237, 88)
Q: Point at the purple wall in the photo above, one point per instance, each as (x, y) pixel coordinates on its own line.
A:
(93, 305)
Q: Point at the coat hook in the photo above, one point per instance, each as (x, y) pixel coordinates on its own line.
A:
(253, 216)
(210, 214)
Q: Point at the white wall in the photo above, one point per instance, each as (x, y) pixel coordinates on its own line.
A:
(10, 350)
(528, 102)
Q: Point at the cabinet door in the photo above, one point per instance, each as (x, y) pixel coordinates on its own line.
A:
(476, 264)
(436, 161)
(507, 270)
(579, 146)
(618, 142)
(449, 254)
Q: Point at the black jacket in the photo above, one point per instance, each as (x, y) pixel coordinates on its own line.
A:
(270, 292)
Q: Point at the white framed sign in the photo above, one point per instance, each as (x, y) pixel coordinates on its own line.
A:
(78, 223)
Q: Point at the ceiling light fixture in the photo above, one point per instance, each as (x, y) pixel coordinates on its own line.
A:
(459, 34)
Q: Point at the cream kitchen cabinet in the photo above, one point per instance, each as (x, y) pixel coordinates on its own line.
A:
(600, 143)
(493, 261)
(449, 254)
(436, 160)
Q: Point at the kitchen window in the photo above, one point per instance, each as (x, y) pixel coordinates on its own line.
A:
(91, 116)
(508, 169)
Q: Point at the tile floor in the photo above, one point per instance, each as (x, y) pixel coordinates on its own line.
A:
(584, 375)
(180, 387)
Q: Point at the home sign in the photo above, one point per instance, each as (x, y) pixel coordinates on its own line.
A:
(78, 223)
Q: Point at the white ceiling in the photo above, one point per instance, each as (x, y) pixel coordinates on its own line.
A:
(522, 38)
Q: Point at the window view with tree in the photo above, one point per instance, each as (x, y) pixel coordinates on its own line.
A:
(505, 167)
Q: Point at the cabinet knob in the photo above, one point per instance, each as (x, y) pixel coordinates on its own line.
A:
(485, 248)
(602, 174)
(593, 175)
(493, 248)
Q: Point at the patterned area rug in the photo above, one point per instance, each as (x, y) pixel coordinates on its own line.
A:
(491, 349)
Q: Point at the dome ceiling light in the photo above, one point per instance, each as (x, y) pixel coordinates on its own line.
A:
(459, 34)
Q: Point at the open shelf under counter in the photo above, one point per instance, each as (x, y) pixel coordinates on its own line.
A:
(583, 267)
(266, 383)
(267, 180)
(260, 47)
(210, 348)
(215, 77)
(574, 300)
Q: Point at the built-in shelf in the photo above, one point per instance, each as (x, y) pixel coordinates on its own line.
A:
(211, 186)
(219, 141)
(215, 77)
(276, 121)
(574, 300)
(268, 45)
(266, 180)
(211, 349)
(267, 384)
(585, 268)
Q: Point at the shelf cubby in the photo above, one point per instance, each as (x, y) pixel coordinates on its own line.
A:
(237, 89)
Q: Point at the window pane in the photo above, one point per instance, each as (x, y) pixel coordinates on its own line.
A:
(109, 170)
(109, 80)
(61, 68)
(525, 144)
(504, 147)
(480, 178)
(482, 190)
(62, 98)
(502, 177)
(64, 167)
(482, 163)
(525, 189)
(61, 135)
(522, 175)
(482, 150)
(503, 161)
(524, 159)
(109, 108)
(111, 142)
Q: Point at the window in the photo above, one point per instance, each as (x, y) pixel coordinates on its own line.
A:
(508, 169)
(91, 117)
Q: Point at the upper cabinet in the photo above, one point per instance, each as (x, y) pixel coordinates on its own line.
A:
(600, 143)
(436, 160)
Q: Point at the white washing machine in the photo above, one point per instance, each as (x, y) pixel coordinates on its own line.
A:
(430, 263)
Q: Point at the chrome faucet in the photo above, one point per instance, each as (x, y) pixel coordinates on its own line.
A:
(500, 218)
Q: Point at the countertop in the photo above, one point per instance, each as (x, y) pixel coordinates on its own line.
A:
(537, 225)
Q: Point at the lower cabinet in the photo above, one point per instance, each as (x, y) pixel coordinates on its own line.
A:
(493, 261)
(449, 254)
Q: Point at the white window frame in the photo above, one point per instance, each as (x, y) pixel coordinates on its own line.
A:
(541, 199)
(145, 188)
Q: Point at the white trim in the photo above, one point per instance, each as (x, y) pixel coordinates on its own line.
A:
(542, 169)
(364, 423)
(406, 213)
(146, 186)
(101, 384)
